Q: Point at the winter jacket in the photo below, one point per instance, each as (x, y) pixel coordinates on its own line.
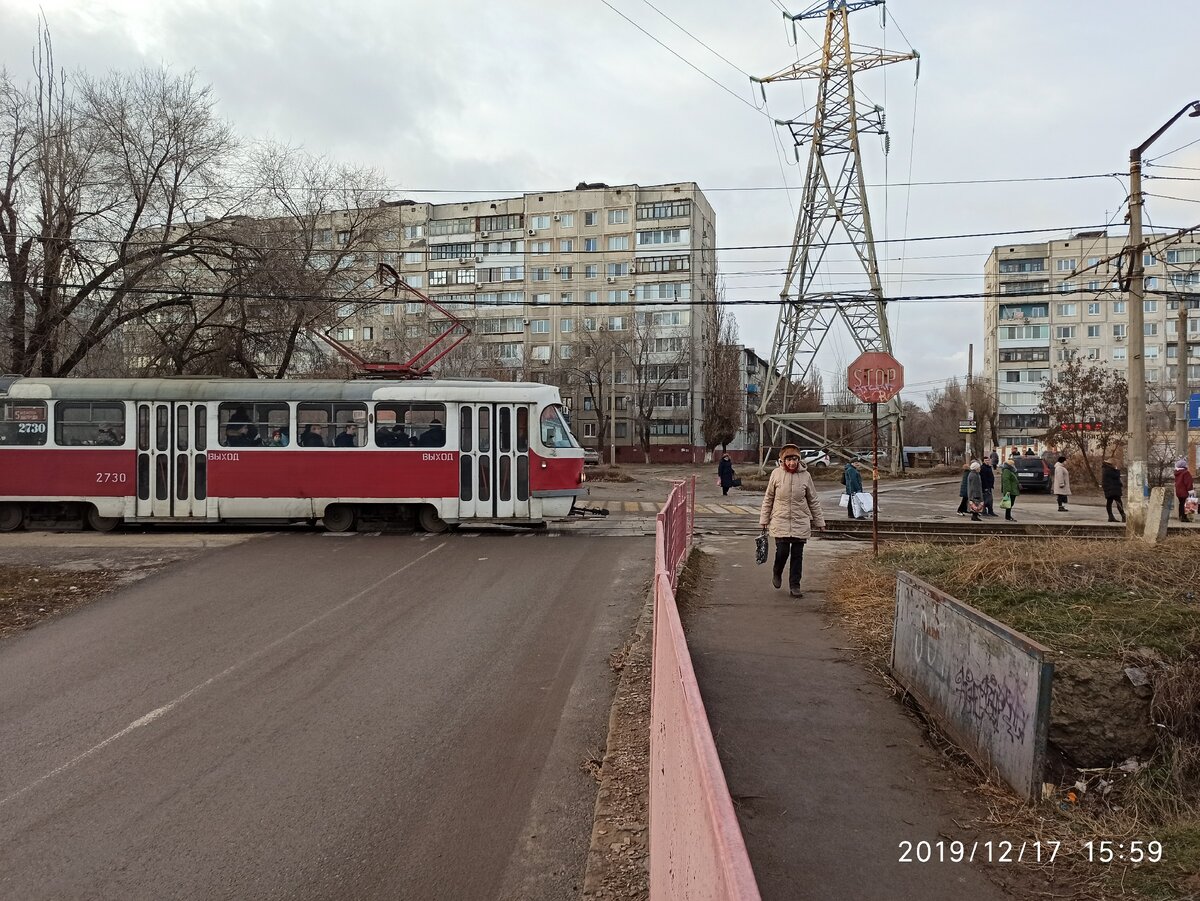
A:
(1009, 483)
(1062, 479)
(725, 473)
(790, 507)
(988, 476)
(974, 488)
(1110, 481)
(1183, 482)
(962, 486)
(853, 480)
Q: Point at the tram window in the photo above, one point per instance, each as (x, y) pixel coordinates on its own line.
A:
(464, 478)
(554, 430)
(162, 419)
(181, 428)
(201, 477)
(144, 428)
(410, 425)
(331, 425)
(485, 471)
(504, 438)
(253, 425)
(144, 474)
(522, 431)
(181, 477)
(485, 431)
(22, 422)
(79, 424)
(505, 478)
(162, 486)
(465, 441)
(201, 429)
(523, 477)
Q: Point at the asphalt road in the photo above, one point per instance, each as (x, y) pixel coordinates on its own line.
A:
(309, 716)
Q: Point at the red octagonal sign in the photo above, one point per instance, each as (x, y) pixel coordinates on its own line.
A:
(875, 377)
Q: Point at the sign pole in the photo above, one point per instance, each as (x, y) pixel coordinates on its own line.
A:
(875, 478)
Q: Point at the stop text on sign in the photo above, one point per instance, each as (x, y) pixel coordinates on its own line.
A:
(875, 378)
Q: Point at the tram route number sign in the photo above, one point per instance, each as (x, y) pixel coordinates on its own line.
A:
(967, 427)
(875, 377)
(29, 414)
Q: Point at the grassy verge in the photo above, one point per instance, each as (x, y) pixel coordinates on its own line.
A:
(30, 594)
(1082, 599)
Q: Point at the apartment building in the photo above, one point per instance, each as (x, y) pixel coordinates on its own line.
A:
(1049, 301)
(554, 286)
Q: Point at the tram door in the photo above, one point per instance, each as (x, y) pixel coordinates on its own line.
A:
(494, 461)
(172, 459)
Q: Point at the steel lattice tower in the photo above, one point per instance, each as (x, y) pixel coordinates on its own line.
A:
(833, 210)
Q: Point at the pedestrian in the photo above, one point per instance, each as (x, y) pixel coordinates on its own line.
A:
(1110, 481)
(725, 473)
(994, 459)
(1029, 452)
(1010, 487)
(974, 491)
(790, 511)
(987, 476)
(962, 489)
(1062, 483)
(1183, 487)
(852, 479)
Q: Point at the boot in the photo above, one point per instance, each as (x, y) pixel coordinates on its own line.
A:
(796, 593)
(776, 579)
(975, 518)
(1113, 519)
(1008, 516)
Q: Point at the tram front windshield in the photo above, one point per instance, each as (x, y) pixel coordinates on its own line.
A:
(554, 431)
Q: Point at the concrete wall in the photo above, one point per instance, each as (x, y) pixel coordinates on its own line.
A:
(987, 685)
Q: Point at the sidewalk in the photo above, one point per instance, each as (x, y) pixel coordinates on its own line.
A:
(827, 771)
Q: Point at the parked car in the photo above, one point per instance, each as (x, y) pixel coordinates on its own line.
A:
(591, 457)
(1032, 473)
(814, 459)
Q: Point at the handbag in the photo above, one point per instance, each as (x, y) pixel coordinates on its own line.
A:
(975, 506)
(863, 503)
(760, 548)
(737, 483)
(1006, 501)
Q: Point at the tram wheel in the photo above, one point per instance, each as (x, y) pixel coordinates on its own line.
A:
(101, 523)
(11, 516)
(429, 521)
(340, 518)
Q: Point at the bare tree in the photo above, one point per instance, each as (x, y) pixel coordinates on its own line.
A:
(724, 402)
(1086, 394)
(657, 354)
(590, 369)
(103, 182)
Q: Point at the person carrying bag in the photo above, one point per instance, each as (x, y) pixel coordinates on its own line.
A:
(790, 511)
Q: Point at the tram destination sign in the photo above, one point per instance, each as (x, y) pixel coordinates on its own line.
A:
(875, 377)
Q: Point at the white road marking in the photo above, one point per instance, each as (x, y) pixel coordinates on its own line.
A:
(162, 711)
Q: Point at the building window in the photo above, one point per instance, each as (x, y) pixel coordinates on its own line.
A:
(1093, 331)
(1065, 265)
(368, 333)
(622, 430)
(539, 327)
(1038, 265)
(618, 217)
(591, 245)
(450, 251)
(664, 210)
(564, 351)
(461, 277)
(1119, 330)
(1064, 331)
(1151, 329)
(1118, 354)
(616, 323)
(1067, 288)
(1118, 306)
(1150, 306)
(565, 326)
(539, 222)
(540, 274)
(539, 248)
(566, 298)
(663, 236)
(1067, 309)
(541, 299)
(591, 297)
(565, 245)
(540, 352)
(451, 227)
(591, 271)
(412, 257)
(413, 232)
(1093, 309)
(676, 263)
(499, 223)
(618, 242)
(343, 238)
(591, 217)
(344, 334)
(564, 273)
(613, 270)
(565, 220)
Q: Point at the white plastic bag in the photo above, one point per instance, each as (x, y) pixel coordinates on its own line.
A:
(843, 500)
(863, 504)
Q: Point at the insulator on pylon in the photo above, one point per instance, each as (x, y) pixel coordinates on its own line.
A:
(887, 143)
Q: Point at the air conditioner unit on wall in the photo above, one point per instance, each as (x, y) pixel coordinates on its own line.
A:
(557, 218)
(611, 280)
(483, 234)
(532, 232)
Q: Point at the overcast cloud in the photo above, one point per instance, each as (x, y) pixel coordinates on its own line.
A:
(516, 95)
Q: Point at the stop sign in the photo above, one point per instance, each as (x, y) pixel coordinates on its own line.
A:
(875, 377)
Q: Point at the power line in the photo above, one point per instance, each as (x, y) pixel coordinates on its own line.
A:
(696, 39)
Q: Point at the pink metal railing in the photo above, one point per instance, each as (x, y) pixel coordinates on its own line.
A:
(696, 846)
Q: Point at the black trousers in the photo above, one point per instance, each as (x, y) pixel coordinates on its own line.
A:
(962, 504)
(1109, 501)
(1182, 501)
(987, 502)
(793, 547)
(1062, 499)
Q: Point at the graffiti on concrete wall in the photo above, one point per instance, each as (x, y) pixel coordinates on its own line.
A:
(992, 702)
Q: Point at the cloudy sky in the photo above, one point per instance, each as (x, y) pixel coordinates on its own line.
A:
(523, 95)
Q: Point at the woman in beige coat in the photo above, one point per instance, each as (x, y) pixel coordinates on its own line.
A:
(790, 511)
(1062, 484)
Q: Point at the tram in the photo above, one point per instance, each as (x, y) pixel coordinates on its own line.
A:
(193, 450)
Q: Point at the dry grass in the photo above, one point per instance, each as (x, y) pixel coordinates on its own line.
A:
(1080, 598)
(607, 474)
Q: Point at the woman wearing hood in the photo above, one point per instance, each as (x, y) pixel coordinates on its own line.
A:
(975, 491)
(790, 511)
(1183, 487)
(725, 473)
(1010, 487)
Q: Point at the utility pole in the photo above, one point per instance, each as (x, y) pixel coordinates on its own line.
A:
(1138, 485)
(970, 393)
(1181, 384)
(612, 413)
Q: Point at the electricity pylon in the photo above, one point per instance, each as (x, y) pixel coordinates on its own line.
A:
(834, 207)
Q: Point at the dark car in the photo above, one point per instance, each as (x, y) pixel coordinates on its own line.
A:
(1032, 473)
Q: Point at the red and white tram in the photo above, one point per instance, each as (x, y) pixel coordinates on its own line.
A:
(438, 452)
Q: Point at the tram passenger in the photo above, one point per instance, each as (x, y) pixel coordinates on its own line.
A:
(346, 438)
(434, 436)
(391, 436)
(310, 438)
(278, 438)
(241, 430)
(106, 436)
